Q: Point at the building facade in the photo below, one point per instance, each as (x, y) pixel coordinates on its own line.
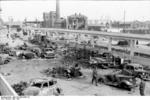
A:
(49, 19)
(77, 22)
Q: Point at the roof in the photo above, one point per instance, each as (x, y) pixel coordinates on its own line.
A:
(77, 16)
(135, 64)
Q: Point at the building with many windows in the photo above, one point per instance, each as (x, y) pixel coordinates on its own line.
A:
(77, 22)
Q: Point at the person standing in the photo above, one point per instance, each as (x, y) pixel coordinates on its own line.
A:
(95, 76)
(142, 87)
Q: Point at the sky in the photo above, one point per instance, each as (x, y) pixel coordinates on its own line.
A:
(94, 10)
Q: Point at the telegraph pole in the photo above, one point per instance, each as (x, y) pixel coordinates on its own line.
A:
(57, 10)
(0, 9)
(124, 31)
(124, 19)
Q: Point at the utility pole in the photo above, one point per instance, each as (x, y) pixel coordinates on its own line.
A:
(124, 32)
(57, 10)
(124, 19)
(0, 9)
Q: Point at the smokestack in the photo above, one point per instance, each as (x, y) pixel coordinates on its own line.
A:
(0, 9)
(57, 10)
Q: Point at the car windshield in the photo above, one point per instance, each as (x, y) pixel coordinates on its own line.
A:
(48, 49)
(37, 85)
(138, 68)
(129, 67)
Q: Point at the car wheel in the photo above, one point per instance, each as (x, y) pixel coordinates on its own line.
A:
(101, 80)
(124, 86)
(6, 61)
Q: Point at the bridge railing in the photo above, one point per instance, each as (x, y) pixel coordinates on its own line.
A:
(98, 33)
(5, 88)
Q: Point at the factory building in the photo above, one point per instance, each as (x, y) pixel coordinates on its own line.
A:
(52, 19)
(77, 22)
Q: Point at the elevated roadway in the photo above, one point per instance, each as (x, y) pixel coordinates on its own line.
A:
(110, 35)
(97, 33)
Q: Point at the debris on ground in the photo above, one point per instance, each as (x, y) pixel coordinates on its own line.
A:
(63, 72)
(20, 87)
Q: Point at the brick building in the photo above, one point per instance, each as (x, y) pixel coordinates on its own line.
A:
(77, 21)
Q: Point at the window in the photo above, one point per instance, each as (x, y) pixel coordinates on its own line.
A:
(129, 67)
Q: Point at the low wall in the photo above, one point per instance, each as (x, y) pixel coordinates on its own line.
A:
(5, 88)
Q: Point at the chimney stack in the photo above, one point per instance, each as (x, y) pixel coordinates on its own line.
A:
(57, 10)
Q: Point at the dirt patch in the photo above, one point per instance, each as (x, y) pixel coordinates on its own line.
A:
(24, 70)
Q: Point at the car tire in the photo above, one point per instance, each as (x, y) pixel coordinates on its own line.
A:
(124, 86)
(101, 80)
(6, 61)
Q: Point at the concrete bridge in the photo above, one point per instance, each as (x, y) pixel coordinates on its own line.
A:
(110, 35)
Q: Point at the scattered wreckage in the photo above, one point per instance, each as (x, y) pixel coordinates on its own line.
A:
(38, 87)
(64, 72)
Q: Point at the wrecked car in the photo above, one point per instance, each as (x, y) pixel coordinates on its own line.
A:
(100, 63)
(4, 60)
(136, 70)
(43, 87)
(119, 80)
(26, 55)
(48, 53)
(37, 51)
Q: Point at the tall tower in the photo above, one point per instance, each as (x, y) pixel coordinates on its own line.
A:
(1, 21)
(57, 10)
(0, 9)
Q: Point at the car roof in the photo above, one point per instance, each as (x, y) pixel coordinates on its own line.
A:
(135, 64)
(47, 48)
(122, 75)
(39, 80)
